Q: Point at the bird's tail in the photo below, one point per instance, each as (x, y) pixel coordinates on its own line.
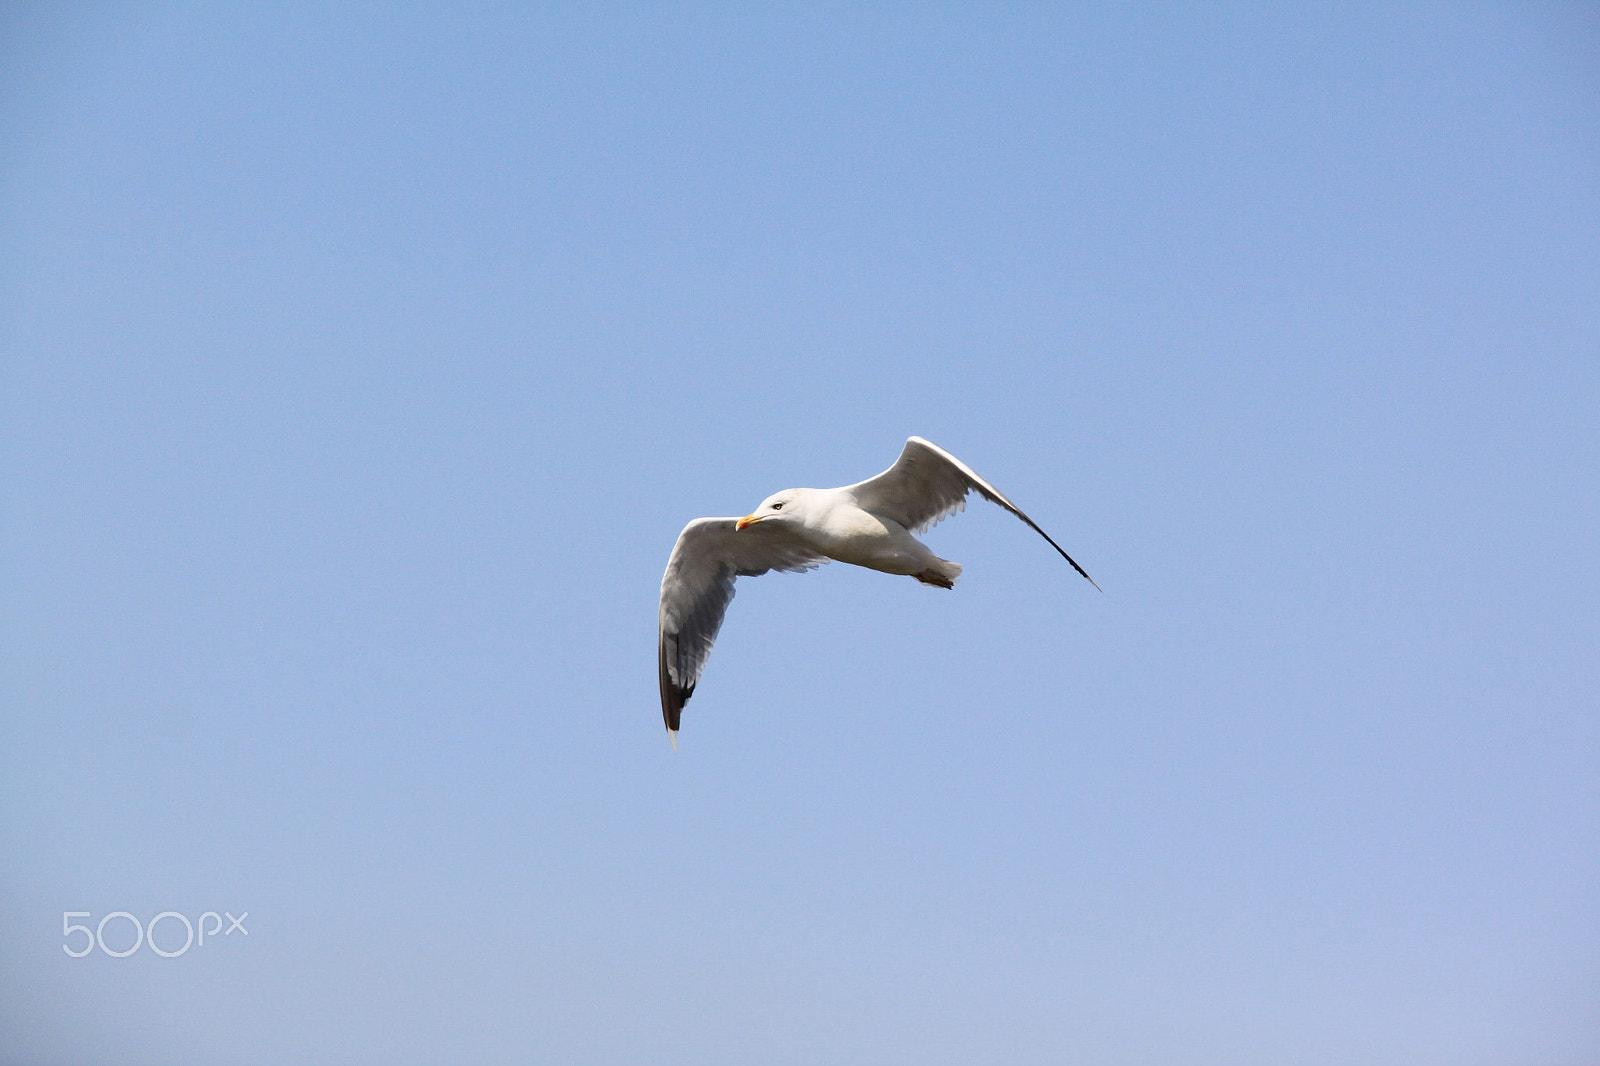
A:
(942, 574)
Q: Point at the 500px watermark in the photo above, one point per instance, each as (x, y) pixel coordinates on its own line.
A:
(146, 934)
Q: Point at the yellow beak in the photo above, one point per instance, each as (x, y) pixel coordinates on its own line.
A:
(747, 520)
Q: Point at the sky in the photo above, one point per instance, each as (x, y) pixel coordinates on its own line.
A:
(362, 363)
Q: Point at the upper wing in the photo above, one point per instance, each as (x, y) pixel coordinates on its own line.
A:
(927, 484)
(697, 587)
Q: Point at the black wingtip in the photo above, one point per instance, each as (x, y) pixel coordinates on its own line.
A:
(673, 697)
(672, 700)
(1081, 571)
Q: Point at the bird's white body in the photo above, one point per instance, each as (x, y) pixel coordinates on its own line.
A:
(868, 524)
(833, 522)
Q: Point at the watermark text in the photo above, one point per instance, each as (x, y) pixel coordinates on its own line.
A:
(128, 935)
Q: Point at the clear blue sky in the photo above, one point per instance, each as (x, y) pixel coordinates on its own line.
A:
(361, 366)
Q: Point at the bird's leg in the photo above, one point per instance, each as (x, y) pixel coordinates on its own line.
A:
(934, 578)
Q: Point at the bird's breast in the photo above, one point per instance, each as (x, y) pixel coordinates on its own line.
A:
(851, 535)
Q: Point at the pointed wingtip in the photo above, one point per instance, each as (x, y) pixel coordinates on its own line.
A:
(1075, 566)
(672, 735)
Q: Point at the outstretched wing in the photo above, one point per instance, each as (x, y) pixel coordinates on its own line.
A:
(697, 587)
(927, 485)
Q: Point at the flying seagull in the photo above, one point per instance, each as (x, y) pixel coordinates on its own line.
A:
(869, 524)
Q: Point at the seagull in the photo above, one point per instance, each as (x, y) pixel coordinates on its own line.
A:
(869, 524)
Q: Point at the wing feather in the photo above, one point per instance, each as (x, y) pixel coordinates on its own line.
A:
(698, 586)
(927, 484)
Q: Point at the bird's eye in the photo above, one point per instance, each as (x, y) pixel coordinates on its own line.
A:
(777, 507)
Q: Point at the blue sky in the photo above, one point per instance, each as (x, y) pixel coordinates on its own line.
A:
(360, 368)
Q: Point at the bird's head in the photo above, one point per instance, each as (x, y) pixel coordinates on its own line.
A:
(778, 506)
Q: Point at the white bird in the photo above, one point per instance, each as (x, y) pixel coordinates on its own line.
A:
(868, 524)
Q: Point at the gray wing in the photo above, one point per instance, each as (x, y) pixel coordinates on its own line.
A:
(696, 590)
(927, 485)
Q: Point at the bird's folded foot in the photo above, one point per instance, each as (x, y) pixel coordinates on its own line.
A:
(936, 579)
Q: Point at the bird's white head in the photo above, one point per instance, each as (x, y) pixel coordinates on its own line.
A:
(777, 506)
